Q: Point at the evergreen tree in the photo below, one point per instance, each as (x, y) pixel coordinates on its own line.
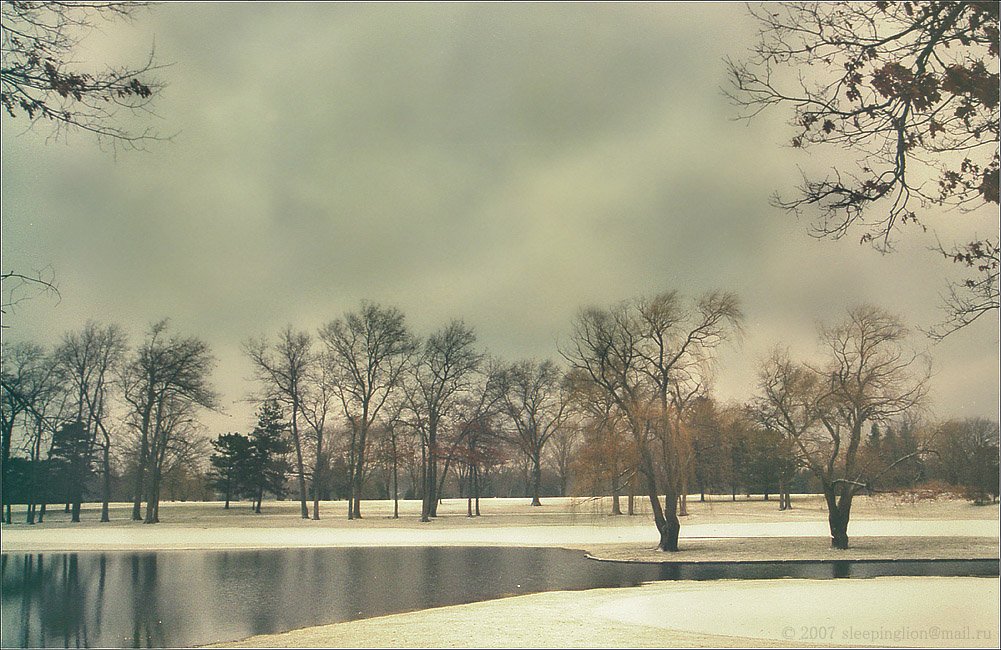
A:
(71, 460)
(230, 464)
(268, 462)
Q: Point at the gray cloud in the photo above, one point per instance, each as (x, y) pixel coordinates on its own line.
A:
(503, 163)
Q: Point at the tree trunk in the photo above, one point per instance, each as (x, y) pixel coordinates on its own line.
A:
(440, 490)
(151, 495)
(140, 480)
(838, 513)
(631, 503)
(433, 496)
(536, 480)
(425, 507)
(671, 526)
(300, 470)
(5, 499)
(106, 487)
(316, 491)
(396, 477)
(683, 504)
(476, 488)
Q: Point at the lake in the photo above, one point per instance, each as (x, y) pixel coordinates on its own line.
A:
(184, 598)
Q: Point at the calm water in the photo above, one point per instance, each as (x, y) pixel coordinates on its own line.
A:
(183, 598)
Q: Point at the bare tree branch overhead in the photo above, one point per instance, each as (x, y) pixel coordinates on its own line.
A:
(903, 98)
(42, 83)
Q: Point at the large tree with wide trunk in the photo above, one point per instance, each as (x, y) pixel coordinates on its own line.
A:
(868, 375)
(648, 357)
(367, 353)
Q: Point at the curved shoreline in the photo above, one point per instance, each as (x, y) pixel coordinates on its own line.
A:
(928, 612)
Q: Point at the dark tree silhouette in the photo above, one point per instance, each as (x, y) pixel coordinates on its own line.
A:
(267, 463)
(229, 463)
(163, 383)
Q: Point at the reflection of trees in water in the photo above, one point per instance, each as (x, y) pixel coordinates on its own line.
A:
(147, 627)
(51, 598)
(251, 580)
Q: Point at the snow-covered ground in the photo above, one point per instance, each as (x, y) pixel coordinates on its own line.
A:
(916, 612)
(177, 536)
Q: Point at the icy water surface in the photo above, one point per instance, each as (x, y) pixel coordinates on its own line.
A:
(184, 598)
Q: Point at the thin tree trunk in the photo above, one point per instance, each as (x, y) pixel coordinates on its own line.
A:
(469, 492)
(303, 508)
(106, 487)
(425, 510)
(396, 479)
(616, 488)
(317, 476)
(536, 480)
(476, 488)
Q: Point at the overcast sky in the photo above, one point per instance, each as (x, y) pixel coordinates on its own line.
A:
(501, 163)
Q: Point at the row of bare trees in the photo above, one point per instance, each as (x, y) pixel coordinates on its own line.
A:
(91, 396)
(645, 366)
(632, 409)
(368, 371)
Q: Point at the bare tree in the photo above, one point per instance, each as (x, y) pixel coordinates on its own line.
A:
(606, 459)
(367, 352)
(536, 404)
(316, 403)
(911, 90)
(648, 357)
(166, 378)
(87, 362)
(562, 450)
(27, 378)
(175, 442)
(445, 369)
(18, 287)
(471, 425)
(868, 376)
(285, 370)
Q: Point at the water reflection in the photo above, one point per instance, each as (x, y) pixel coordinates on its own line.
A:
(181, 598)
